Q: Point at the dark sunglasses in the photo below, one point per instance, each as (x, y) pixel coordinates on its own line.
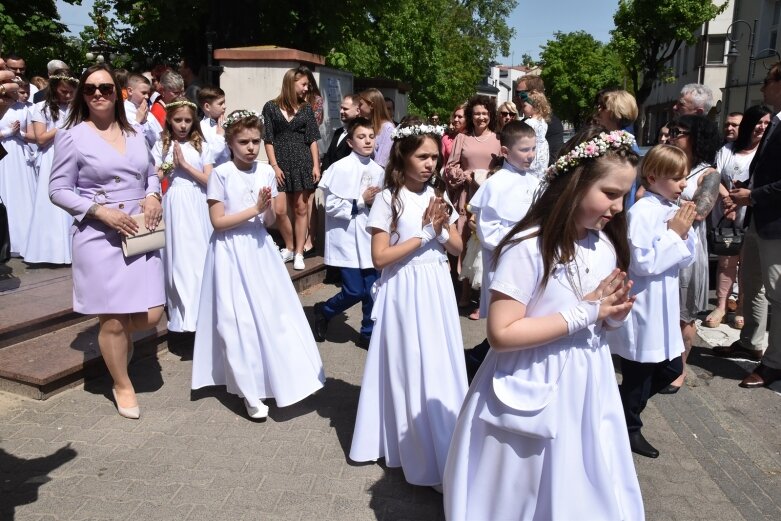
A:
(505, 114)
(676, 132)
(107, 89)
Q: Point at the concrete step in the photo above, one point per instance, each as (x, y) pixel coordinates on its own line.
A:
(46, 347)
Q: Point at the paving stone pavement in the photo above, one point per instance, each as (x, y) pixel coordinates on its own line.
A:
(196, 456)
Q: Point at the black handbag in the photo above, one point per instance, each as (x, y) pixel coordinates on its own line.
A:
(725, 240)
(5, 235)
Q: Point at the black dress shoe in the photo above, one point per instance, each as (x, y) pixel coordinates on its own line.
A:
(640, 445)
(321, 323)
(363, 342)
(670, 389)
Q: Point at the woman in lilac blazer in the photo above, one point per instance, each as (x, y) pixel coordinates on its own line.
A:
(102, 174)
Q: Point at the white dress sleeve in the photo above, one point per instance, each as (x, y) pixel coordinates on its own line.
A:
(519, 271)
(215, 187)
(157, 153)
(380, 215)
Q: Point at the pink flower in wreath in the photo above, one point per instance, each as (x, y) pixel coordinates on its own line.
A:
(590, 149)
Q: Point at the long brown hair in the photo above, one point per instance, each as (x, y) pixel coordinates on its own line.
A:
(80, 109)
(52, 103)
(288, 99)
(380, 112)
(395, 177)
(554, 211)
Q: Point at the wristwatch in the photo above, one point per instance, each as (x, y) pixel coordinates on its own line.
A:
(156, 195)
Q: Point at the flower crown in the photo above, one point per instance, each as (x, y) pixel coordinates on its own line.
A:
(597, 147)
(239, 115)
(181, 103)
(417, 130)
(64, 77)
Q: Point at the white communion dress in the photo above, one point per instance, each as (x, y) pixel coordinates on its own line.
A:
(542, 433)
(252, 336)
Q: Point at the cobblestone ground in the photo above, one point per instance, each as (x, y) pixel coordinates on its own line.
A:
(195, 455)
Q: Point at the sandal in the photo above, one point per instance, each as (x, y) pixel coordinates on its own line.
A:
(738, 322)
(715, 318)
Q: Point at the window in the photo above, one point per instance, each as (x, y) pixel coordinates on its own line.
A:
(716, 48)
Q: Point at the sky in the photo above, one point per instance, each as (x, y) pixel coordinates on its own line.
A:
(534, 21)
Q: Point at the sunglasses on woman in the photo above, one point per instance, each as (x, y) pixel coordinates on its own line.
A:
(506, 114)
(106, 89)
(676, 133)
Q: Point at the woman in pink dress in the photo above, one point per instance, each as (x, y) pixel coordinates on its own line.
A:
(102, 174)
(473, 152)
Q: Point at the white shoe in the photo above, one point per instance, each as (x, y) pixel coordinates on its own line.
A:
(286, 255)
(298, 262)
(256, 413)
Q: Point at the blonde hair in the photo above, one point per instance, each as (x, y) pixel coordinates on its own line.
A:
(509, 106)
(621, 105)
(540, 103)
(288, 99)
(195, 137)
(380, 112)
(664, 162)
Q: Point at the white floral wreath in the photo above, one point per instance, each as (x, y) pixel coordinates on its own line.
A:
(64, 77)
(181, 103)
(417, 130)
(242, 114)
(596, 147)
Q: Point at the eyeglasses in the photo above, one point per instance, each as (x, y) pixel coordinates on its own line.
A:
(519, 93)
(106, 89)
(675, 133)
(506, 114)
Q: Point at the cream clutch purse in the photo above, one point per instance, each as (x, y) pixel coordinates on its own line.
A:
(145, 240)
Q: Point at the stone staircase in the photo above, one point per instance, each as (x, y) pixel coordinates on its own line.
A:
(46, 347)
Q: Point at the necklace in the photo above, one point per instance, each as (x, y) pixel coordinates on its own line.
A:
(571, 269)
(487, 135)
(250, 197)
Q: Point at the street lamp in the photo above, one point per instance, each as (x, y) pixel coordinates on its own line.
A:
(733, 53)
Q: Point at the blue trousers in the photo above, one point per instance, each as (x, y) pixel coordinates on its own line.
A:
(356, 287)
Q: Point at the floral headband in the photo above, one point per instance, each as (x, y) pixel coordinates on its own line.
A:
(417, 130)
(597, 147)
(63, 77)
(181, 103)
(241, 114)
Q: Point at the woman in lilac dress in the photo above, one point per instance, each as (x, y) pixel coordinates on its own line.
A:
(102, 174)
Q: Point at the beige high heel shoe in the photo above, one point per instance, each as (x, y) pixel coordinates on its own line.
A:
(132, 413)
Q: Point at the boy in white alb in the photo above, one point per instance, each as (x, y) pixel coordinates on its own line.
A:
(650, 342)
(498, 205)
(349, 187)
(137, 108)
(212, 103)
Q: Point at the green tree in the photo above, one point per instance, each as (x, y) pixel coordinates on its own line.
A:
(648, 33)
(575, 66)
(440, 47)
(32, 28)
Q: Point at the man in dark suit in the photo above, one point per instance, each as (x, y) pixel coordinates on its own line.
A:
(763, 197)
(338, 148)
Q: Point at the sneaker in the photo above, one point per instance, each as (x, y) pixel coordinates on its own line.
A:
(256, 413)
(286, 255)
(298, 262)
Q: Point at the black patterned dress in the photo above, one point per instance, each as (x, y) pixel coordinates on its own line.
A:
(291, 141)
